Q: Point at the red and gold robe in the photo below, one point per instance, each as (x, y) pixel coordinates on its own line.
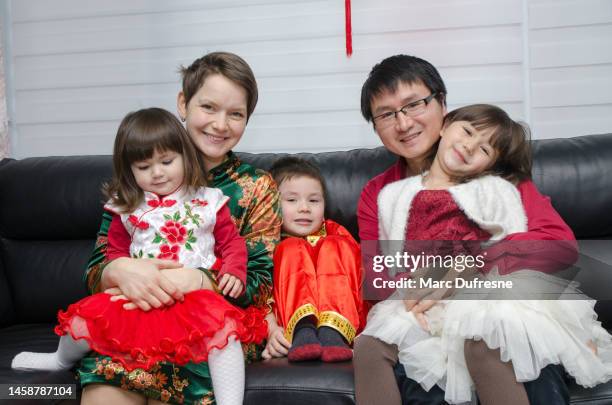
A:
(320, 275)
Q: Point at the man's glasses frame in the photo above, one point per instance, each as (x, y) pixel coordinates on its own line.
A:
(411, 109)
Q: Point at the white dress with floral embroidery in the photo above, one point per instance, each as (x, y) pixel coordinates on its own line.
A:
(178, 227)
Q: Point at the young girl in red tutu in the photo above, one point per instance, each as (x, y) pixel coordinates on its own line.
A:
(163, 210)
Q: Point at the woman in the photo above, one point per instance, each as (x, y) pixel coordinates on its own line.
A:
(405, 99)
(218, 95)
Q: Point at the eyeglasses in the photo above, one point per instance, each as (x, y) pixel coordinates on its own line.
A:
(411, 109)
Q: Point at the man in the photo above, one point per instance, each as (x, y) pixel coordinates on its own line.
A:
(405, 99)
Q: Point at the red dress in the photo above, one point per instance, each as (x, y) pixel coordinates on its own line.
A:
(544, 224)
(435, 216)
(321, 276)
(530, 333)
(186, 331)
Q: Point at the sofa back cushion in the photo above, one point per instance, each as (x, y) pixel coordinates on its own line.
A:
(577, 175)
(345, 173)
(50, 211)
(574, 172)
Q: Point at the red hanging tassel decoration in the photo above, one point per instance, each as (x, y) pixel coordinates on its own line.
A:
(348, 29)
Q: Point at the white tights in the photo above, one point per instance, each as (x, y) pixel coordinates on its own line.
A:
(69, 351)
(226, 365)
(227, 373)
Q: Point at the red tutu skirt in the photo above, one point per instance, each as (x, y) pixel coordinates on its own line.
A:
(184, 332)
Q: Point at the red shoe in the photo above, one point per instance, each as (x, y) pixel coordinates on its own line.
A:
(305, 352)
(333, 354)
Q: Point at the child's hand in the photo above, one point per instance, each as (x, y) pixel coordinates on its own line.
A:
(592, 346)
(277, 345)
(231, 285)
(418, 309)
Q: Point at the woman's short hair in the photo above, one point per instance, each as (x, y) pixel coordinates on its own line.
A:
(229, 65)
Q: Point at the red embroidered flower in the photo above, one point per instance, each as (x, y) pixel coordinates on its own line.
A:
(256, 326)
(138, 355)
(182, 355)
(175, 232)
(158, 203)
(166, 345)
(138, 224)
(201, 203)
(168, 252)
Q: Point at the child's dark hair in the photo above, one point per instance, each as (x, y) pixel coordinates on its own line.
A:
(140, 134)
(289, 167)
(510, 139)
(227, 64)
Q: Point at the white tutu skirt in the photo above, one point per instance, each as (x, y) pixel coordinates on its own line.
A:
(530, 333)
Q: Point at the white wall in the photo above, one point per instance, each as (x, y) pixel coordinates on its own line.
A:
(4, 139)
(570, 45)
(80, 65)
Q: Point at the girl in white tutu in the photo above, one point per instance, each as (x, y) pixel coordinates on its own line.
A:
(469, 194)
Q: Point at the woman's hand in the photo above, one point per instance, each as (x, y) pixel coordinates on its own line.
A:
(141, 282)
(231, 285)
(277, 345)
(188, 279)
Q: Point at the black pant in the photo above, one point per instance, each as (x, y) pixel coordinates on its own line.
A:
(549, 388)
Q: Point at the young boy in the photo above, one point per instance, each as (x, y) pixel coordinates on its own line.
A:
(317, 271)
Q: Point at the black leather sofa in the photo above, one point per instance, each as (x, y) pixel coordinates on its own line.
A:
(50, 210)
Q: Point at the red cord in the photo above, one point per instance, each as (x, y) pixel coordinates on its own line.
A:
(349, 35)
